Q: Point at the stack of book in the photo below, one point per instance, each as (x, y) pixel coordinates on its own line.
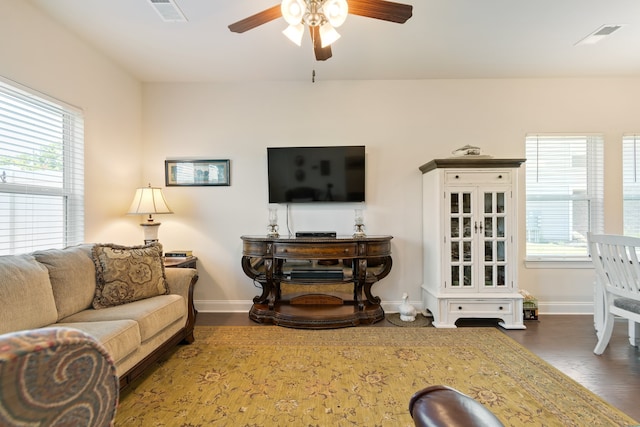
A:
(178, 254)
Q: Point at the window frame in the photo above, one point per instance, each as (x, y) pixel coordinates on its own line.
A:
(30, 120)
(630, 184)
(594, 196)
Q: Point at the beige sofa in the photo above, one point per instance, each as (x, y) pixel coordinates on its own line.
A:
(61, 287)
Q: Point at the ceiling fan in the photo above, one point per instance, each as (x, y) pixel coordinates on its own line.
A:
(322, 17)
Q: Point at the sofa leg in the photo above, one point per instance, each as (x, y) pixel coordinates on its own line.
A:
(189, 338)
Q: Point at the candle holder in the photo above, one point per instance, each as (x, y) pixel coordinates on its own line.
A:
(272, 229)
(359, 224)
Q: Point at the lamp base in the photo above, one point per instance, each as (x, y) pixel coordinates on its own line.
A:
(150, 232)
(272, 231)
(359, 231)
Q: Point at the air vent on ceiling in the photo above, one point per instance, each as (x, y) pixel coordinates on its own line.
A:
(600, 33)
(168, 10)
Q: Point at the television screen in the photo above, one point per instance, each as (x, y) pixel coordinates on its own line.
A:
(316, 174)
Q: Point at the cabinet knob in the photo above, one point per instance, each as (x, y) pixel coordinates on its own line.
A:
(500, 308)
(499, 176)
(285, 250)
(346, 251)
(459, 307)
(457, 176)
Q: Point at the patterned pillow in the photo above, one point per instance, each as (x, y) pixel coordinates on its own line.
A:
(127, 273)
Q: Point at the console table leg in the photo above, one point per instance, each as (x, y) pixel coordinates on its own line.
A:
(268, 269)
(369, 295)
(360, 276)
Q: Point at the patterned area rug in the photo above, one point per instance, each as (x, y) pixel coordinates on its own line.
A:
(364, 376)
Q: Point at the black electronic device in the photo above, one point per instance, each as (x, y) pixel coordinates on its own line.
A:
(316, 174)
(323, 274)
(329, 234)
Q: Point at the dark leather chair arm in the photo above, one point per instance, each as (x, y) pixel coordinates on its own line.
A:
(442, 406)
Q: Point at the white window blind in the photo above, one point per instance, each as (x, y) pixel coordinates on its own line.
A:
(41, 172)
(631, 184)
(564, 180)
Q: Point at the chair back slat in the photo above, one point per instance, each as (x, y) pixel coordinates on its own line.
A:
(615, 259)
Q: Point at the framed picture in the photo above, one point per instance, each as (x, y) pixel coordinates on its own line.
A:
(196, 172)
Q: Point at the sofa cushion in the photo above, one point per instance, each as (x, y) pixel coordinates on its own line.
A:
(72, 275)
(26, 297)
(152, 314)
(119, 337)
(125, 274)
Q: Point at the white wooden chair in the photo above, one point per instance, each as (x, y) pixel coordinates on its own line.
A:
(615, 259)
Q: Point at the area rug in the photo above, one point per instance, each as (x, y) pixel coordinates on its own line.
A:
(363, 376)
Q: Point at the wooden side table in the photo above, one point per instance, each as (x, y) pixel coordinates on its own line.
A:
(179, 262)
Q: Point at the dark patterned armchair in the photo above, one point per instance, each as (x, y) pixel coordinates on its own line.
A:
(442, 406)
(56, 377)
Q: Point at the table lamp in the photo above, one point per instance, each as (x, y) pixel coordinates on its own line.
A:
(148, 201)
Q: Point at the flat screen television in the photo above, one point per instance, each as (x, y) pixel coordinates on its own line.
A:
(316, 174)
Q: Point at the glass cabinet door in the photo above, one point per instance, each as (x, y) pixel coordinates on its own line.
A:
(477, 238)
(461, 234)
(494, 239)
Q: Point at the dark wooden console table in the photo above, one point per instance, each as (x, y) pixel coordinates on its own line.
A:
(314, 263)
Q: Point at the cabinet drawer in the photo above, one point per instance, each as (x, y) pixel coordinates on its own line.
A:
(478, 177)
(480, 307)
(302, 251)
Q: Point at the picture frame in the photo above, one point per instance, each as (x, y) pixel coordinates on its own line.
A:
(180, 173)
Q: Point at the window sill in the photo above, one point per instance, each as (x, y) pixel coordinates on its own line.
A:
(560, 263)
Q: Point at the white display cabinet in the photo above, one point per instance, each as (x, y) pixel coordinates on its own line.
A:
(470, 240)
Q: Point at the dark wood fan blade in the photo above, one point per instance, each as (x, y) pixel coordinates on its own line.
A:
(322, 53)
(256, 20)
(381, 9)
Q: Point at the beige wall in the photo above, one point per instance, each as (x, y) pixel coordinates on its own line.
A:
(403, 124)
(131, 128)
(39, 54)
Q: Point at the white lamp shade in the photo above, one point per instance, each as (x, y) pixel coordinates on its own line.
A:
(328, 35)
(294, 33)
(335, 11)
(149, 200)
(293, 11)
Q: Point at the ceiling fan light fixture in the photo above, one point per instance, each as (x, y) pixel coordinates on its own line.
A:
(294, 33)
(328, 34)
(293, 11)
(335, 11)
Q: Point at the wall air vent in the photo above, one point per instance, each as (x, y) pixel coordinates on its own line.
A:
(168, 10)
(599, 34)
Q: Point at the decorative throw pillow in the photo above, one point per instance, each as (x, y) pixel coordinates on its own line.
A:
(128, 273)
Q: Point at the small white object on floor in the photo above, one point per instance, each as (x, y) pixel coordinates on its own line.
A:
(407, 311)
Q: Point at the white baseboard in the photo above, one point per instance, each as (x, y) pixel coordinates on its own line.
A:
(216, 306)
(243, 306)
(565, 308)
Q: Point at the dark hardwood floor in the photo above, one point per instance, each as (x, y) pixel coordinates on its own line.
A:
(567, 343)
(564, 341)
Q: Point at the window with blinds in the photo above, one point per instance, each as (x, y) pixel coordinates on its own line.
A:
(564, 181)
(631, 184)
(41, 172)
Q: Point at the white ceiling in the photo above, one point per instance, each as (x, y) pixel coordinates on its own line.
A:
(443, 39)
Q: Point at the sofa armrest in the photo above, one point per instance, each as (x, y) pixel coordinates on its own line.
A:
(181, 282)
(55, 376)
